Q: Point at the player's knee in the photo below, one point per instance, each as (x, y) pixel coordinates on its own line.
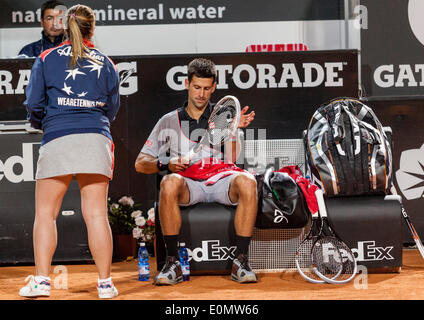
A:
(170, 185)
(247, 186)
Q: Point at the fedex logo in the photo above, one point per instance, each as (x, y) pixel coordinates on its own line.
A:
(9, 168)
(368, 251)
(211, 251)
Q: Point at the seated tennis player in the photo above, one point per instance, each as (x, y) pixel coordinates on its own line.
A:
(209, 175)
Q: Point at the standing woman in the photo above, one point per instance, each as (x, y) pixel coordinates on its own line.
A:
(73, 95)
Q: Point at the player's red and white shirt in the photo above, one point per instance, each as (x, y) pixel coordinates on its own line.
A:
(168, 139)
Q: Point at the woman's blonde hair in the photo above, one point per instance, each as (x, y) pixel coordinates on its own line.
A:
(80, 23)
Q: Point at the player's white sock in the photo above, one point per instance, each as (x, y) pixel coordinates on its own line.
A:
(104, 281)
(40, 279)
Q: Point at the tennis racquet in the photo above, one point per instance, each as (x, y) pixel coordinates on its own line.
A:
(303, 258)
(332, 259)
(414, 233)
(222, 125)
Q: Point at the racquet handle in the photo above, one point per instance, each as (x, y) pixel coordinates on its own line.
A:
(321, 204)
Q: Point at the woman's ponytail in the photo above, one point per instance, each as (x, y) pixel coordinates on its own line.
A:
(77, 41)
(81, 22)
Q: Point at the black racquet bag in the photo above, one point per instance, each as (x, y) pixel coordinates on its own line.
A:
(347, 151)
(281, 203)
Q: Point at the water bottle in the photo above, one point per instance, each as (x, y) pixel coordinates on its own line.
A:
(185, 266)
(143, 263)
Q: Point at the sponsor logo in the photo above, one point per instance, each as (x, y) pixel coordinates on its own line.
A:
(410, 176)
(403, 75)
(9, 168)
(330, 253)
(279, 217)
(83, 103)
(211, 251)
(246, 76)
(368, 251)
(128, 82)
(67, 52)
(6, 78)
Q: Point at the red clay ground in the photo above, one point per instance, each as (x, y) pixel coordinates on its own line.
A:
(408, 284)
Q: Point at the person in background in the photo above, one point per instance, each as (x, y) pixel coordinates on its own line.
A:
(73, 96)
(51, 35)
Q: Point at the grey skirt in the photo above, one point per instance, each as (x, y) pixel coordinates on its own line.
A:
(76, 153)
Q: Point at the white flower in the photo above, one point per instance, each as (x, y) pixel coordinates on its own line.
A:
(137, 232)
(148, 237)
(136, 214)
(126, 201)
(140, 221)
(115, 206)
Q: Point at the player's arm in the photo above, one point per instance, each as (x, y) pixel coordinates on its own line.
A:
(145, 163)
(152, 159)
(148, 164)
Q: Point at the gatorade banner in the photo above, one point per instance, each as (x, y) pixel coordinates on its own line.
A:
(392, 44)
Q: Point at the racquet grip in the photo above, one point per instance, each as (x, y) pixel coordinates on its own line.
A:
(321, 204)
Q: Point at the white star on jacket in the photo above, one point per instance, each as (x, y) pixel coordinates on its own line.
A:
(82, 94)
(73, 73)
(95, 67)
(67, 89)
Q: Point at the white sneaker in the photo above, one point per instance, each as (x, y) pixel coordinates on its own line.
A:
(107, 291)
(34, 288)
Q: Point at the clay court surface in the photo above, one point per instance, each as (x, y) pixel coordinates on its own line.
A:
(408, 284)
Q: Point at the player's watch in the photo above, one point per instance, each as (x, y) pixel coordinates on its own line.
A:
(161, 166)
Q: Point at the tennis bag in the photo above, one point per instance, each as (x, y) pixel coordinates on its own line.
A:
(281, 203)
(347, 151)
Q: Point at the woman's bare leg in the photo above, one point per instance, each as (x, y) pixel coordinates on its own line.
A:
(48, 200)
(94, 191)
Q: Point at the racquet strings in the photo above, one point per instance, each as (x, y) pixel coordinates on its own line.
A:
(303, 257)
(221, 123)
(349, 264)
(326, 257)
(332, 258)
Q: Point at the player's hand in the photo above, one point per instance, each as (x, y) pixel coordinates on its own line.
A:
(246, 119)
(177, 164)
